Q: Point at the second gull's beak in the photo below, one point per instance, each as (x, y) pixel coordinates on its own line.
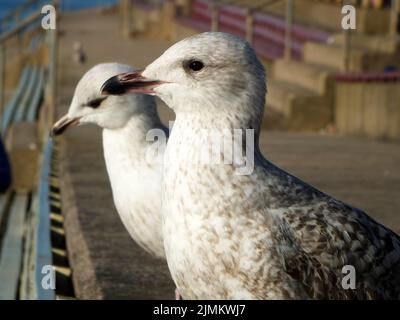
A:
(128, 83)
(63, 124)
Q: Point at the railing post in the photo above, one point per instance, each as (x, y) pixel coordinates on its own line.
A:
(214, 16)
(346, 45)
(288, 31)
(17, 20)
(53, 67)
(346, 49)
(126, 8)
(53, 76)
(249, 25)
(2, 80)
(394, 17)
(17, 16)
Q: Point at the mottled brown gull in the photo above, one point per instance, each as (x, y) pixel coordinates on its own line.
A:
(264, 235)
(134, 175)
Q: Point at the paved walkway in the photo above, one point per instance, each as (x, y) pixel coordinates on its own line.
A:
(105, 261)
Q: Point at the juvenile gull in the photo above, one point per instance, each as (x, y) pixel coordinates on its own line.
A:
(265, 235)
(135, 177)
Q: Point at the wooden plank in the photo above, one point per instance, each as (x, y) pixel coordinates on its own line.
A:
(3, 205)
(23, 147)
(11, 251)
(27, 280)
(2, 77)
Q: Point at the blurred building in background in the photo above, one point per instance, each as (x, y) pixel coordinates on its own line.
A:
(321, 77)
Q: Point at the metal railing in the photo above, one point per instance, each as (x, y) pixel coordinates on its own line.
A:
(31, 21)
(394, 17)
(4, 38)
(249, 11)
(288, 32)
(16, 15)
(250, 20)
(288, 21)
(32, 245)
(347, 33)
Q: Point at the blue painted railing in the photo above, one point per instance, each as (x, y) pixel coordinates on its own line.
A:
(43, 238)
(33, 108)
(11, 107)
(26, 99)
(26, 96)
(16, 11)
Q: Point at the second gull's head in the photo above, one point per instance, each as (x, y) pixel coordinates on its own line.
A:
(88, 105)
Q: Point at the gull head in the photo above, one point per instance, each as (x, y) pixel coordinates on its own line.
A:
(88, 105)
(211, 70)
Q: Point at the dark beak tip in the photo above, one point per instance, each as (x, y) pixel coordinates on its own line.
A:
(54, 132)
(62, 125)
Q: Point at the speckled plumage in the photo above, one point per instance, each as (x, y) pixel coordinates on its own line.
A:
(135, 179)
(266, 235)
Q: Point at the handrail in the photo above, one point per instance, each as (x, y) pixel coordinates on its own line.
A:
(393, 76)
(264, 4)
(18, 10)
(27, 96)
(22, 25)
(250, 7)
(16, 30)
(217, 5)
(35, 102)
(9, 110)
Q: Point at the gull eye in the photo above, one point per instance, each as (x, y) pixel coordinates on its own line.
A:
(96, 102)
(195, 65)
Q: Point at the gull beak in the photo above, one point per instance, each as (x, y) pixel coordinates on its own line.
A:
(132, 82)
(63, 124)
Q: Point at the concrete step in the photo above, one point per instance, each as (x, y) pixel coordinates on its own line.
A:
(333, 56)
(281, 95)
(361, 59)
(311, 76)
(380, 43)
(301, 108)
